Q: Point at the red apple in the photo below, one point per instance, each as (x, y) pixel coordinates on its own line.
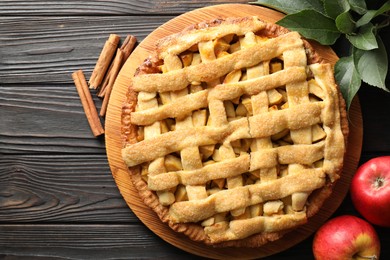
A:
(370, 190)
(346, 237)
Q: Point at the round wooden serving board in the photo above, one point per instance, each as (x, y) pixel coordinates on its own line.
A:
(122, 177)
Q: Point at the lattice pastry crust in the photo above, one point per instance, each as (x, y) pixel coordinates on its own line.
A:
(234, 131)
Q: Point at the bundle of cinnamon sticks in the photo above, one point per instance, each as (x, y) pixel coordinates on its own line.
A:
(109, 63)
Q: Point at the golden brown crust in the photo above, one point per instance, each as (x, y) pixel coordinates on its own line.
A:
(129, 136)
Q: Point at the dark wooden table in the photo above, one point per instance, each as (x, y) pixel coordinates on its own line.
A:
(57, 195)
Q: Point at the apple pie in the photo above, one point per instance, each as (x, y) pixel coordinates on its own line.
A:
(234, 131)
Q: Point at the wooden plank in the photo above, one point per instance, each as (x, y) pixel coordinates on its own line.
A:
(119, 7)
(49, 49)
(60, 188)
(45, 118)
(84, 242)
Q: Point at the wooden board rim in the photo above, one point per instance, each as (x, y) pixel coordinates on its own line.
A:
(123, 180)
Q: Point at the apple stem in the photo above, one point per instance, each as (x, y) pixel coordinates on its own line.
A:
(379, 181)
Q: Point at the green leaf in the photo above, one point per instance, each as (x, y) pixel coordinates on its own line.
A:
(367, 17)
(333, 8)
(345, 23)
(290, 7)
(359, 6)
(365, 39)
(312, 25)
(372, 65)
(348, 78)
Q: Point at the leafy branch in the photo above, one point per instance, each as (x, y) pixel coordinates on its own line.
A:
(327, 20)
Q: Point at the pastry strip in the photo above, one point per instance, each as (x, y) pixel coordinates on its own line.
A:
(333, 155)
(260, 103)
(265, 158)
(194, 211)
(178, 108)
(254, 86)
(224, 28)
(190, 157)
(237, 229)
(259, 126)
(264, 125)
(298, 93)
(223, 169)
(288, 154)
(205, 72)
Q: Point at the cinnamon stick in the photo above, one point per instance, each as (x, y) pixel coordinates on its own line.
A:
(87, 102)
(104, 61)
(127, 47)
(117, 64)
(106, 79)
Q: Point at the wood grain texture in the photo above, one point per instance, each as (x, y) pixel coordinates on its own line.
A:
(130, 194)
(48, 49)
(60, 189)
(84, 242)
(45, 119)
(117, 7)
